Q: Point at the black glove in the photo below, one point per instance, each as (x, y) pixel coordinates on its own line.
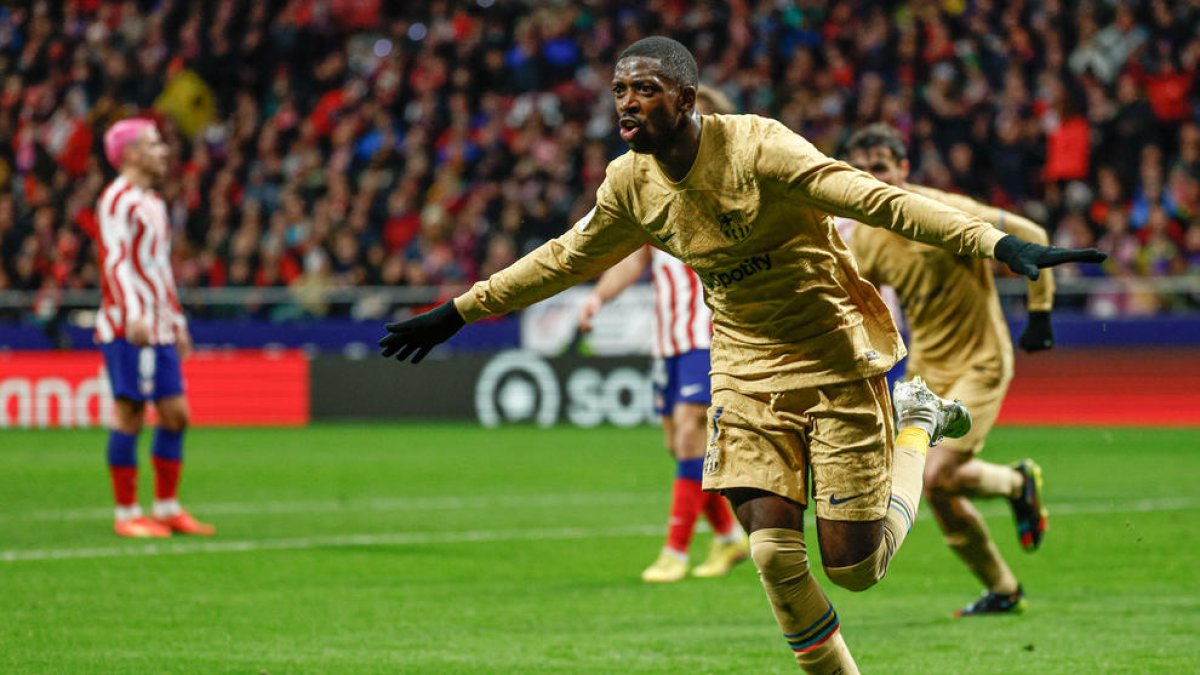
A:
(421, 333)
(1026, 258)
(1038, 335)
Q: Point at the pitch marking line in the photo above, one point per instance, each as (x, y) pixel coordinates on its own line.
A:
(379, 504)
(398, 539)
(584, 499)
(469, 537)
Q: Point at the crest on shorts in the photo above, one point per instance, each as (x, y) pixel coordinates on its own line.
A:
(712, 460)
(734, 225)
(712, 456)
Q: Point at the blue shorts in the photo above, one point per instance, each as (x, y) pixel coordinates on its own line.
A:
(897, 373)
(142, 373)
(682, 379)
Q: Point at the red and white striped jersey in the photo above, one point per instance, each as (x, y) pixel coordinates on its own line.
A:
(683, 322)
(134, 250)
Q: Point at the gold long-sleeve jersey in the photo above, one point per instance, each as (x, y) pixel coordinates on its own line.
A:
(950, 301)
(752, 218)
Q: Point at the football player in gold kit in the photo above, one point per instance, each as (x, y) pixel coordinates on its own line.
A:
(801, 343)
(960, 345)
(681, 364)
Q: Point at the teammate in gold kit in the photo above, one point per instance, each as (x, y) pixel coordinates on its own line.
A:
(959, 343)
(801, 342)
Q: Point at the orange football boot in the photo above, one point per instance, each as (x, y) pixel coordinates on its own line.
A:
(140, 528)
(184, 523)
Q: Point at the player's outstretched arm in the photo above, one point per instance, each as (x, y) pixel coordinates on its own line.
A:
(598, 241)
(1027, 258)
(839, 189)
(1038, 335)
(418, 335)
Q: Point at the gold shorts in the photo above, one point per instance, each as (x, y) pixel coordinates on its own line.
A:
(983, 391)
(842, 433)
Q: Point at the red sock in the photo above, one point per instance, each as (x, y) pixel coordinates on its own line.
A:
(686, 503)
(717, 510)
(124, 482)
(166, 477)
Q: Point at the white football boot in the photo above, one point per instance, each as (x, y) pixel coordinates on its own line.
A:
(917, 406)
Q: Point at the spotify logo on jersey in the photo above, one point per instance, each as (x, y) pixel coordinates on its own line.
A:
(521, 386)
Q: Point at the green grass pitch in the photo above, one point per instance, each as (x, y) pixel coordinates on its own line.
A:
(454, 549)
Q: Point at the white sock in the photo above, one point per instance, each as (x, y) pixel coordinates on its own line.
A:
(128, 512)
(734, 535)
(165, 508)
(678, 554)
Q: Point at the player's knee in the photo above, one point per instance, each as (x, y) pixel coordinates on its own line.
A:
(857, 577)
(765, 555)
(176, 421)
(685, 446)
(129, 416)
(778, 562)
(941, 482)
(958, 539)
(688, 441)
(863, 574)
(131, 427)
(936, 491)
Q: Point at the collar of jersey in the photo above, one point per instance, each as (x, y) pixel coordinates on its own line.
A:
(681, 184)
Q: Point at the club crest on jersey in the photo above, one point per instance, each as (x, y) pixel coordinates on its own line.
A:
(734, 225)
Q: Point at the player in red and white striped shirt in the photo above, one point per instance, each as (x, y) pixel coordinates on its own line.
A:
(682, 394)
(683, 321)
(141, 330)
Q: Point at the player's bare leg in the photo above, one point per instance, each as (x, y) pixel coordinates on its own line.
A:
(1020, 484)
(856, 554)
(168, 463)
(952, 477)
(804, 614)
(129, 521)
(689, 443)
(683, 433)
(687, 497)
(671, 563)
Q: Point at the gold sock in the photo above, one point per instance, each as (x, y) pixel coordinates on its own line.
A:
(996, 480)
(831, 658)
(809, 623)
(908, 480)
(915, 438)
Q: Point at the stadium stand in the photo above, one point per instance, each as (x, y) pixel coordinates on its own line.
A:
(330, 144)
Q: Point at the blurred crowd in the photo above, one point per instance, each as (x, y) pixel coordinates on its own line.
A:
(332, 143)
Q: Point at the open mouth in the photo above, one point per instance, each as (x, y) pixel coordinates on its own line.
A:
(629, 128)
